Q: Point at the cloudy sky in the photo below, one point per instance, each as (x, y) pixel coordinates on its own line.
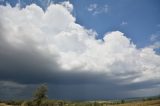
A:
(82, 49)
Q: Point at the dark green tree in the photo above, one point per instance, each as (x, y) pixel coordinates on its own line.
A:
(122, 101)
(40, 94)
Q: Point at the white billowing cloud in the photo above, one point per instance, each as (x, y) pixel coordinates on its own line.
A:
(155, 45)
(56, 34)
(96, 9)
(67, 5)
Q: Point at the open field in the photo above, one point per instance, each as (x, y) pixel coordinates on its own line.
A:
(140, 103)
(97, 103)
(3, 104)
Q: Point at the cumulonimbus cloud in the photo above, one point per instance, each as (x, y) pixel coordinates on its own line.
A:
(52, 40)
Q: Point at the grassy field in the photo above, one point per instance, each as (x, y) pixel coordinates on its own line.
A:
(140, 103)
(3, 104)
(135, 103)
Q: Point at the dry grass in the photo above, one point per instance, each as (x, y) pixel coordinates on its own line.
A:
(3, 104)
(138, 103)
(141, 103)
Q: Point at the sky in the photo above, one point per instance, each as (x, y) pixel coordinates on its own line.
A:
(82, 49)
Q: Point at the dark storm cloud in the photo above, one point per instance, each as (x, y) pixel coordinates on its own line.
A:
(22, 65)
(26, 65)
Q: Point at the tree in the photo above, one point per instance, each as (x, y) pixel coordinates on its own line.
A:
(40, 94)
(122, 101)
